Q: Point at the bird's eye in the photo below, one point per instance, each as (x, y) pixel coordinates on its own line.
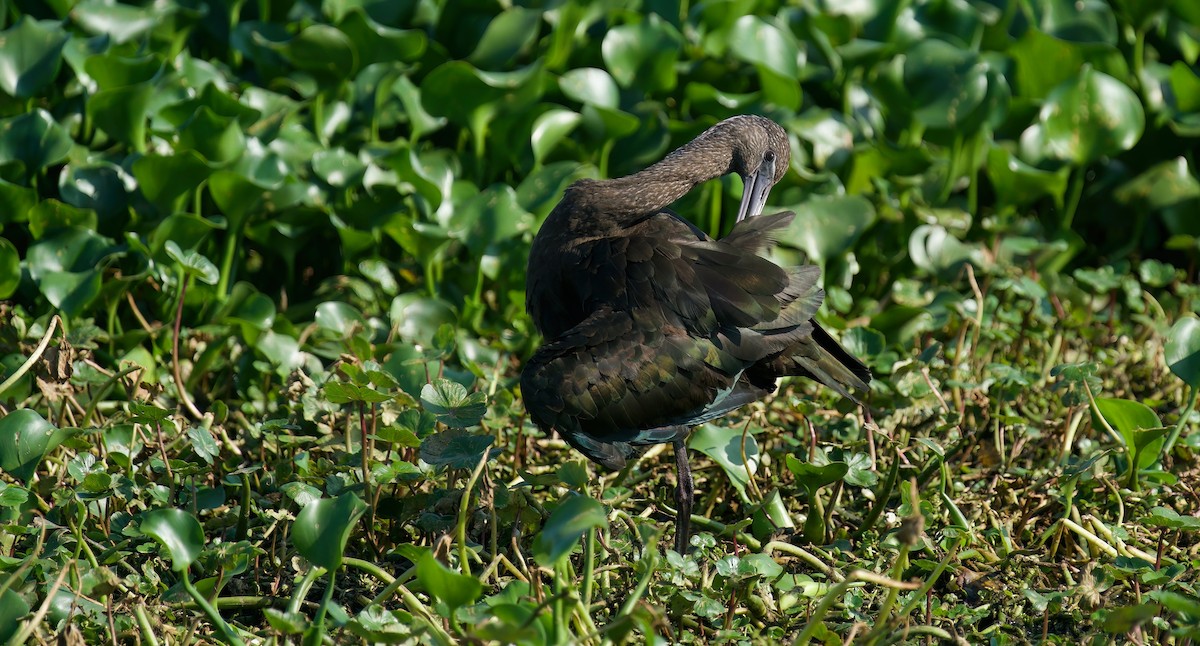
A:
(770, 156)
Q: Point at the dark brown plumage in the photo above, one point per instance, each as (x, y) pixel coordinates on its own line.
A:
(651, 326)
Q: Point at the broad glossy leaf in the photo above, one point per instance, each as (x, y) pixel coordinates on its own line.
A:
(1161, 186)
(167, 180)
(323, 527)
(338, 167)
(13, 610)
(455, 448)
(506, 36)
(591, 86)
(549, 128)
(491, 216)
(562, 531)
(35, 139)
(64, 267)
(457, 90)
(100, 186)
(323, 51)
(935, 250)
(1140, 427)
(376, 43)
(18, 201)
(50, 215)
(1182, 350)
(10, 268)
(947, 84)
(30, 55)
(1019, 184)
(643, 55)
(25, 439)
(1087, 117)
(417, 317)
(177, 531)
(1081, 21)
(724, 445)
(812, 476)
(452, 404)
(216, 138)
(828, 227)
(121, 22)
(451, 588)
(193, 262)
(338, 317)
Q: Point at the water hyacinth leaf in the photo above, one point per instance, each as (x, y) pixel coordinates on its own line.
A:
(1138, 425)
(323, 528)
(506, 36)
(452, 404)
(456, 449)
(566, 525)
(1019, 184)
(30, 55)
(458, 90)
(591, 86)
(452, 589)
(35, 139)
(323, 51)
(643, 55)
(10, 268)
(1087, 117)
(166, 180)
(338, 168)
(100, 186)
(376, 43)
(63, 265)
(828, 227)
(725, 446)
(947, 84)
(25, 440)
(13, 609)
(812, 477)
(340, 318)
(548, 129)
(49, 215)
(1182, 350)
(935, 250)
(417, 317)
(194, 263)
(121, 22)
(178, 532)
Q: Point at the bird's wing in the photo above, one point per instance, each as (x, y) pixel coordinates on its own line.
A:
(616, 381)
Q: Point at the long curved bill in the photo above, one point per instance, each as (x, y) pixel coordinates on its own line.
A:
(755, 189)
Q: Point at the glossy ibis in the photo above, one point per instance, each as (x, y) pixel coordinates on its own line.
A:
(652, 327)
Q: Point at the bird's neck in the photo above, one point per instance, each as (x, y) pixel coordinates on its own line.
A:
(656, 187)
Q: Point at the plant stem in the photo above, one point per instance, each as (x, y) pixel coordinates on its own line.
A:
(1183, 418)
(1074, 192)
(464, 505)
(226, 631)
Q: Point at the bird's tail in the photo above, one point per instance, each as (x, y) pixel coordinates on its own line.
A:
(820, 358)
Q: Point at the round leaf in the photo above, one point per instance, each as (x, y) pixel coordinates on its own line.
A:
(1085, 118)
(566, 525)
(455, 448)
(35, 139)
(178, 531)
(451, 588)
(10, 268)
(724, 445)
(549, 128)
(1183, 350)
(30, 55)
(323, 527)
(25, 439)
(643, 55)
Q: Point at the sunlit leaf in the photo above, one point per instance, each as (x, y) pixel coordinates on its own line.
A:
(323, 527)
(562, 531)
(178, 532)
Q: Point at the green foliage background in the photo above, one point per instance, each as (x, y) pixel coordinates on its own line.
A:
(287, 241)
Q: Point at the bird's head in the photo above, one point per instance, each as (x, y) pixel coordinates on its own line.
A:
(760, 155)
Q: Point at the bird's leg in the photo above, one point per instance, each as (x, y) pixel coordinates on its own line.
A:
(684, 494)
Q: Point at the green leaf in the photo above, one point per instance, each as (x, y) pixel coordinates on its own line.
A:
(323, 51)
(591, 86)
(339, 318)
(177, 531)
(1170, 519)
(30, 55)
(376, 43)
(643, 55)
(10, 268)
(194, 263)
(1087, 117)
(1138, 425)
(548, 129)
(947, 84)
(1182, 350)
(447, 586)
(25, 440)
(13, 610)
(570, 521)
(456, 449)
(1018, 184)
(323, 528)
(452, 404)
(35, 139)
(506, 37)
(724, 446)
(812, 476)
(828, 227)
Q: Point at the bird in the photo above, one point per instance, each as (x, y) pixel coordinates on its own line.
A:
(651, 327)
